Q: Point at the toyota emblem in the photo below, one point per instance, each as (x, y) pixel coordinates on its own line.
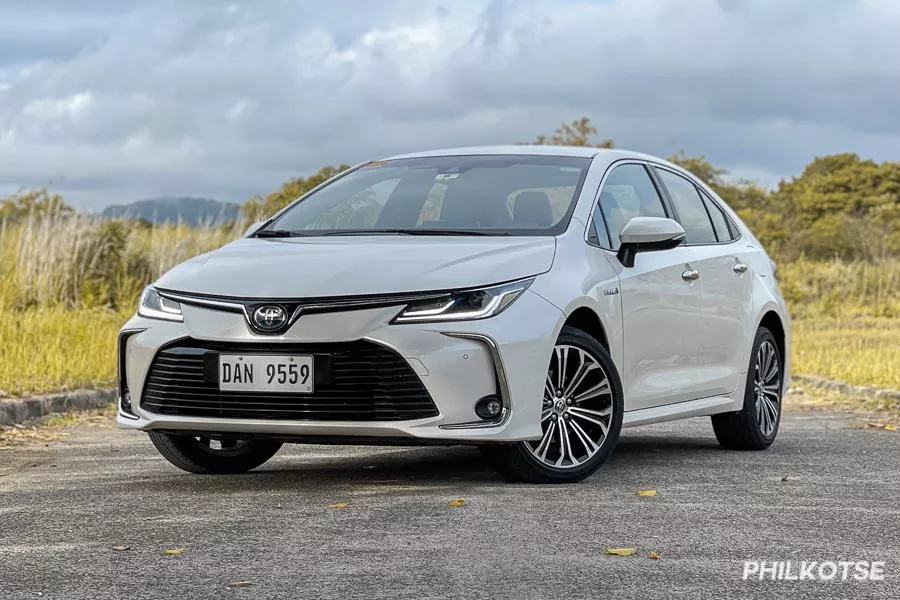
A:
(269, 318)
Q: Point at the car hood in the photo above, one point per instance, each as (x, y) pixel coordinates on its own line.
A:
(350, 266)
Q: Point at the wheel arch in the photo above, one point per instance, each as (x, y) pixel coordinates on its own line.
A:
(775, 318)
(771, 321)
(587, 320)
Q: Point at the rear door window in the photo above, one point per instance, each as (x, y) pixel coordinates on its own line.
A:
(724, 228)
(698, 227)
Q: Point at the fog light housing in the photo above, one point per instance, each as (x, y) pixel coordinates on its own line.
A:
(489, 407)
(126, 401)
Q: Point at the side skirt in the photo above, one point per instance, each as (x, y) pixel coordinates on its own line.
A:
(680, 410)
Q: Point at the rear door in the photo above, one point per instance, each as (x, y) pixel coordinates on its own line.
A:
(725, 283)
(661, 310)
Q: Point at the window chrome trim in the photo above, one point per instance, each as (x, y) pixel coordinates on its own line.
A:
(704, 197)
(663, 199)
(502, 381)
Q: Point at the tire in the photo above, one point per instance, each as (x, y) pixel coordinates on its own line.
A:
(755, 426)
(197, 455)
(561, 463)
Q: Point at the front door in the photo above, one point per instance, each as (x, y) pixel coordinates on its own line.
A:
(660, 298)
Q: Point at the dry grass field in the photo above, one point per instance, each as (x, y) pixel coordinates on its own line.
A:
(67, 285)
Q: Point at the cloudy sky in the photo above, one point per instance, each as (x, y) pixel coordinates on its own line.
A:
(113, 100)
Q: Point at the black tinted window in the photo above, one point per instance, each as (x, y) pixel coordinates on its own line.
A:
(719, 220)
(691, 212)
(515, 194)
(627, 193)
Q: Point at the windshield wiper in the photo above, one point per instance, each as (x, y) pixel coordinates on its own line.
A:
(276, 233)
(416, 231)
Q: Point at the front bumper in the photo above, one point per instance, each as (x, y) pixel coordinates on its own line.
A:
(458, 363)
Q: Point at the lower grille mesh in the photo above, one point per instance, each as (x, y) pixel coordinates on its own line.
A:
(355, 381)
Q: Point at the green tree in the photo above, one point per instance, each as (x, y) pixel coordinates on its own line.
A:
(577, 133)
(840, 206)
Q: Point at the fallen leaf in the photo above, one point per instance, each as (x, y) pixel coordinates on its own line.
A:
(874, 425)
(339, 505)
(652, 554)
(174, 551)
(240, 584)
(890, 427)
(457, 503)
(121, 548)
(621, 551)
(646, 493)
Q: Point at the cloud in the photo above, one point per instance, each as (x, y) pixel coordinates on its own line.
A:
(114, 101)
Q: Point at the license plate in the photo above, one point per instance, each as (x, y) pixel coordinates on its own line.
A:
(266, 373)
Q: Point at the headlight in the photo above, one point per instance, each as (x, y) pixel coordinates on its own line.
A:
(465, 306)
(154, 306)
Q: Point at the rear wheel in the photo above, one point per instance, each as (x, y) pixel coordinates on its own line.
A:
(581, 416)
(755, 426)
(207, 456)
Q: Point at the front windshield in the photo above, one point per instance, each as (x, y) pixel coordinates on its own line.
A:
(476, 195)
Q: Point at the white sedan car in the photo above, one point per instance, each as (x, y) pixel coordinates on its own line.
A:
(529, 300)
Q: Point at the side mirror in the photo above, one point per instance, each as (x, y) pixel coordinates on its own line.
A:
(647, 234)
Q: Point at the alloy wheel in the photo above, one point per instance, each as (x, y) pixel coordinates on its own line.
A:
(767, 388)
(577, 409)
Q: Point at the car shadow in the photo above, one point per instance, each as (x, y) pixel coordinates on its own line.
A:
(419, 467)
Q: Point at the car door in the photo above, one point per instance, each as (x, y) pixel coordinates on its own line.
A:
(660, 303)
(725, 283)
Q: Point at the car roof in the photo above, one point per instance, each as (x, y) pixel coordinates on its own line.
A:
(525, 149)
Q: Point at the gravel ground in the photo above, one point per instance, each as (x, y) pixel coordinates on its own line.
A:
(827, 490)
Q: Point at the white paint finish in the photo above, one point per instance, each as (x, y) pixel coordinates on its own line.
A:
(661, 317)
(682, 410)
(727, 316)
(647, 230)
(680, 347)
(354, 265)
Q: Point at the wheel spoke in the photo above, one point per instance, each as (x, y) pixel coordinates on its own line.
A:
(559, 351)
(546, 414)
(563, 369)
(762, 360)
(599, 389)
(773, 410)
(565, 446)
(772, 373)
(771, 390)
(591, 416)
(541, 450)
(548, 388)
(584, 438)
(583, 369)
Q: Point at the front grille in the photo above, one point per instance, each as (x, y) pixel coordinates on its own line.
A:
(354, 381)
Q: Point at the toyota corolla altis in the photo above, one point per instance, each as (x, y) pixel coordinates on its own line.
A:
(529, 300)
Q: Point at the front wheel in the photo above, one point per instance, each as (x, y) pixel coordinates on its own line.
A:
(207, 456)
(581, 416)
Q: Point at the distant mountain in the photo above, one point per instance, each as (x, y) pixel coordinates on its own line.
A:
(191, 211)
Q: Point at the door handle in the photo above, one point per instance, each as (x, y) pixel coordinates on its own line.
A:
(691, 275)
(739, 268)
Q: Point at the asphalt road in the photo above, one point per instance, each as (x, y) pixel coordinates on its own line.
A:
(64, 507)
